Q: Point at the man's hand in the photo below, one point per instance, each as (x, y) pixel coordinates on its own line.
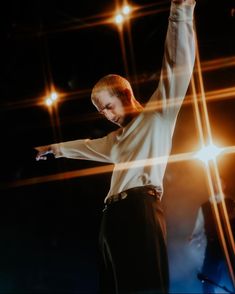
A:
(43, 151)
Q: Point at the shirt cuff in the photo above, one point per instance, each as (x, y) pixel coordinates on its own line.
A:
(181, 12)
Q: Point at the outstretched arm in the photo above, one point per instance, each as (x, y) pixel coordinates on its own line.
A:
(96, 149)
(178, 61)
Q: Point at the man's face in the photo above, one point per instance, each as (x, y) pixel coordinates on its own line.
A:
(112, 108)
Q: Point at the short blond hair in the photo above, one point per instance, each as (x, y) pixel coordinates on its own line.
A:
(116, 85)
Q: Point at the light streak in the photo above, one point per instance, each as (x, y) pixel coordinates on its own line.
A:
(99, 170)
(219, 94)
(98, 20)
(212, 172)
(209, 152)
(107, 168)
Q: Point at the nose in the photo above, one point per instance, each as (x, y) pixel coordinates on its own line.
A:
(109, 115)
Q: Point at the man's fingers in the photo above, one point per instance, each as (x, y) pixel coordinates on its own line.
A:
(42, 152)
(41, 157)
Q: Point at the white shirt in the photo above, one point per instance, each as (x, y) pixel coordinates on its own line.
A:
(140, 150)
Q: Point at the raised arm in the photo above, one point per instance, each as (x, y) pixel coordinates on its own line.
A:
(178, 61)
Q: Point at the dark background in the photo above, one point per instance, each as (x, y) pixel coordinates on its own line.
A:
(49, 229)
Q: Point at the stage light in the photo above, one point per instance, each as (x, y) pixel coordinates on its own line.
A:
(51, 99)
(209, 152)
(54, 96)
(119, 18)
(48, 101)
(122, 14)
(126, 10)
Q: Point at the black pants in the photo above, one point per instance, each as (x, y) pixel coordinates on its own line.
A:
(133, 246)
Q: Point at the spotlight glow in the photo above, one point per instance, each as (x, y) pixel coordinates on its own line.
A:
(54, 96)
(119, 18)
(209, 152)
(48, 101)
(126, 9)
(51, 99)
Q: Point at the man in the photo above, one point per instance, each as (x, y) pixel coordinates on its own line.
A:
(133, 234)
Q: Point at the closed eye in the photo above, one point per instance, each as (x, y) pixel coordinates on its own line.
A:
(108, 106)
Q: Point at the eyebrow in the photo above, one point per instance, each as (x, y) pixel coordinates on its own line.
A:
(106, 105)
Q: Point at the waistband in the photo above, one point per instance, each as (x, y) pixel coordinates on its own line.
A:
(150, 190)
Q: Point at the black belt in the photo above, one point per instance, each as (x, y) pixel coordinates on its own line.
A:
(150, 190)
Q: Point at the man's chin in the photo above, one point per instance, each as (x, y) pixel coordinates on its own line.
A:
(122, 122)
(118, 124)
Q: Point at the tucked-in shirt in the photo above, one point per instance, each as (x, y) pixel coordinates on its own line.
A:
(140, 150)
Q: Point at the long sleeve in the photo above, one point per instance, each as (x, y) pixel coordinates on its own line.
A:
(96, 149)
(178, 63)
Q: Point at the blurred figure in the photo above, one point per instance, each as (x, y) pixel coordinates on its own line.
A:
(214, 271)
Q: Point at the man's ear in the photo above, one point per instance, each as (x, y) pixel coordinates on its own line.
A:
(128, 95)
